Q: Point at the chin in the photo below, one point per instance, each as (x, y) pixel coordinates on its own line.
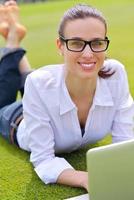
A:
(88, 75)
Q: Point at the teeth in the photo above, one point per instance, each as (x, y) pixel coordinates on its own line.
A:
(85, 65)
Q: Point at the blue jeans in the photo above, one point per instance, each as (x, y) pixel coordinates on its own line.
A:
(8, 116)
(10, 84)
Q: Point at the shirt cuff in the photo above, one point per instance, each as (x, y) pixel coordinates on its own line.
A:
(49, 172)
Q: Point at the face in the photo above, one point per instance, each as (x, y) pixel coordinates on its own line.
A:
(85, 64)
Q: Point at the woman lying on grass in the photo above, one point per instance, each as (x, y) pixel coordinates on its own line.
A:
(65, 106)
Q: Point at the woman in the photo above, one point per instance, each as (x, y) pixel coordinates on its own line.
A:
(79, 102)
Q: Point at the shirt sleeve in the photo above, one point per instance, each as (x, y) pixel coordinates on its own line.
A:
(123, 125)
(40, 136)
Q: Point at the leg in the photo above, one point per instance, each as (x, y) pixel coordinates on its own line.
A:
(15, 35)
(10, 77)
(8, 116)
(14, 65)
(23, 79)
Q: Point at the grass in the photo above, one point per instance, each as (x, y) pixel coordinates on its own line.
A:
(18, 180)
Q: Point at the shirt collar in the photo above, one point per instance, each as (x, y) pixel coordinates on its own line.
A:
(102, 96)
(66, 103)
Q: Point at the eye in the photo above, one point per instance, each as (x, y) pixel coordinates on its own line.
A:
(75, 43)
(98, 43)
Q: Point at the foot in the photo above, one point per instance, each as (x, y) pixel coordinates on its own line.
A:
(15, 35)
(20, 31)
(12, 10)
(9, 18)
(4, 27)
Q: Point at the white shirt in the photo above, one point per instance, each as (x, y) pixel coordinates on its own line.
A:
(50, 125)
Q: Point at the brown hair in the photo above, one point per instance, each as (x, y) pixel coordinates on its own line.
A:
(82, 11)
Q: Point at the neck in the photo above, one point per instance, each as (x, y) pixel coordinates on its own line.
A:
(79, 87)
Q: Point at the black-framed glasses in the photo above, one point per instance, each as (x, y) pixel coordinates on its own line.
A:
(78, 45)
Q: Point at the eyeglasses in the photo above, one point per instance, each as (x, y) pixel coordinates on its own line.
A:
(78, 45)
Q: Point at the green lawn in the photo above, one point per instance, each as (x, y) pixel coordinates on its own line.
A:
(18, 181)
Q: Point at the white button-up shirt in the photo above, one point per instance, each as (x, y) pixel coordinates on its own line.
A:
(51, 126)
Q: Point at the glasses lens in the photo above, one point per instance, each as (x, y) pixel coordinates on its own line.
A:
(75, 45)
(99, 45)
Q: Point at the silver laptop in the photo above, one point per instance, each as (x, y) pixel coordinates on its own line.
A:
(111, 172)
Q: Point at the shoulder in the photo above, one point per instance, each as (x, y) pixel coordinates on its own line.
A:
(113, 63)
(118, 82)
(47, 76)
(115, 66)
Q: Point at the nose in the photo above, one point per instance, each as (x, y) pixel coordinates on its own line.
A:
(87, 52)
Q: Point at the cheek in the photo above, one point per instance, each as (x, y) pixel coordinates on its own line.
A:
(67, 56)
(70, 61)
(71, 56)
(102, 57)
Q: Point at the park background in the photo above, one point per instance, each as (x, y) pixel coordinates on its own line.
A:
(18, 180)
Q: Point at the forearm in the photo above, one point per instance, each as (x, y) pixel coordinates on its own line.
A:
(74, 178)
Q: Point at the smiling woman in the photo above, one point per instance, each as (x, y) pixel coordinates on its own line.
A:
(93, 33)
(70, 105)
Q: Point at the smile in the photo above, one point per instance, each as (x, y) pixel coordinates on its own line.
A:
(87, 65)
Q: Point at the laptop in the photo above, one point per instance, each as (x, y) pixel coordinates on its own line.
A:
(111, 172)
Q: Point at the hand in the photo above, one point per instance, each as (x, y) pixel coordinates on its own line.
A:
(84, 180)
(74, 178)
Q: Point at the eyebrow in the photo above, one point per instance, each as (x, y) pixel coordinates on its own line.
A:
(78, 38)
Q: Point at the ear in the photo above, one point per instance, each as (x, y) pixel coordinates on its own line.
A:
(60, 46)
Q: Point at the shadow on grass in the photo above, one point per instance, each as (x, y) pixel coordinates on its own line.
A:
(13, 150)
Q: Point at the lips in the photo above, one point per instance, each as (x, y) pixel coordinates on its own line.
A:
(87, 66)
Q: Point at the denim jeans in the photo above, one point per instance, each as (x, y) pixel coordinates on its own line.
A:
(8, 116)
(10, 83)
